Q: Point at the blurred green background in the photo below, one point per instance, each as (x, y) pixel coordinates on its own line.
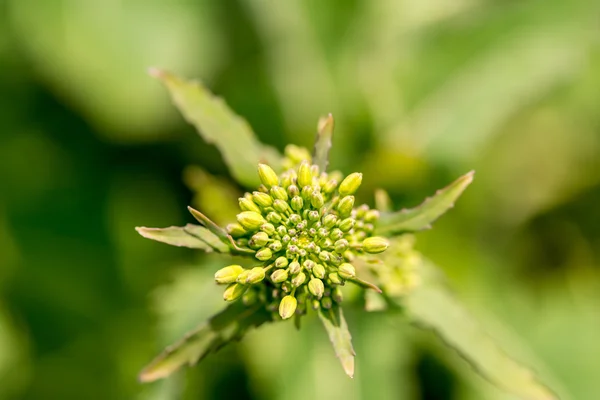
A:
(422, 91)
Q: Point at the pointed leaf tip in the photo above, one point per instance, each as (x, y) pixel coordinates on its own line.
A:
(335, 324)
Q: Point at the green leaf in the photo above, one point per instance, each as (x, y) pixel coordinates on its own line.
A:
(339, 335)
(421, 217)
(323, 142)
(218, 124)
(218, 232)
(192, 236)
(431, 305)
(224, 327)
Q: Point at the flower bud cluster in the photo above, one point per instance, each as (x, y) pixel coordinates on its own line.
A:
(305, 232)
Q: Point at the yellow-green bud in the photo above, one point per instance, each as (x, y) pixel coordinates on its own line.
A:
(287, 307)
(296, 153)
(279, 193)
(293, 190)
(259, 239)
(350, 184)
(228, 274)
(243, 276)
(267, 228)
(375, 244)
(299, 279)
(304, 174)
(281, 262)
(274, 218)
(330, 186)
(250, 220)
(337, 295)
(316, 287)
(234, 291)
(248, 205)
(316, 199)
(276, 246)
(345, 205)
(297, 203)
(319, 271)
(335, 278)
(262, 199)
(346, 271)
(256, 275)
(279, 276)
(329, 221)
(264, 254)
(341, 246)
(347, 224)
(294, 267)
(235, 230)
(326, 303)
(267, 176)
(371, 216)
(281, 206)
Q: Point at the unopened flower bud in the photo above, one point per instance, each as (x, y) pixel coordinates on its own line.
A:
(264, 254)
(324, 256)
(308, 265)
(243, 276)
(259, 239)
(317, 200)
(347, 224)
(329, 221)
(287, 307)
(313, 215)
(267, 176)
(297, 203)
(316, 287)
(299, 279)
(276, 246)
(235, 230)
(341, 246)
(279, 276)
(315, 304)
(350, 184)
(294, 267)
(326, 303)
(304, 174)
(319, 271)
(281, 206)
(337, 295)
(228, 274)
(346, 271)
(256, 275)
(262, 199)
(278, 193)
(335, 278)
(274, 218)
(361, 211)
(293, 190)
(345, 205)
(281, 262)
(375, 244)
(330, 186)
(248, 205)
(250, 220)
(336, 234)
(267, 228)
(234, 291)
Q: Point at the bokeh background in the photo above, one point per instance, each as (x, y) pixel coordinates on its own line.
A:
(422, 92)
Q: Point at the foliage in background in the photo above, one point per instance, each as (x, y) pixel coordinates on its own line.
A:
(422, 92)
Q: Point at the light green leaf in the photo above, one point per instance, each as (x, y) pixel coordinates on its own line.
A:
(192, 236)
(431, 305)
(323, 142)
(421, 217)
(218, 124)
(218, 232)
(339, 335)
(224, 327)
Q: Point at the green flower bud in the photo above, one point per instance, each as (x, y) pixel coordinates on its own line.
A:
(336, 234)
(276, 246)
(294, 267)
(313, 215)
(262, 199)
(297, 203)
(234, 291)
(281, 206)
(372, 216)
(228, 274)
(249, 297)
(375, 244)
(309, 265)
(267, 228)
(350, 184)
(361, 211)
(267, 176)
(346, 271)
(319, 271)
(279, 193)
(341, 246)
(306, 193)
(316, 199)
(345, 205)
(279, 275)
(315, 304)
(337, 295)
(347, 224)
(274, 218)
(329, 221)
(296, 153)
(326, 303)
(281, 262)
(314, 170)
(248, 205)
(235, 230)
(330, 186)
(259, 239)
(316, 287)
(257, 274)
(293, 191)
(242, 242)
(243, 276)
(335, 278)
(264, 254)
(299, 279)
(250, 220)
(304, 174)
(287, 307)
(324, 256)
